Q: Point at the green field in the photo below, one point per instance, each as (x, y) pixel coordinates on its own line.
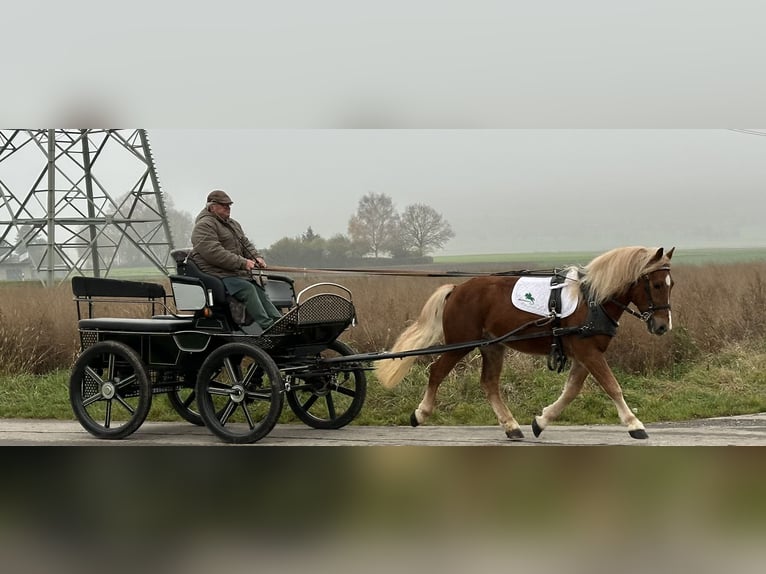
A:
(563, 258)
(532, 260)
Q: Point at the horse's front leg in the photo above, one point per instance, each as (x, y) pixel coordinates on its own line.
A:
(600, 370)
(572, 388)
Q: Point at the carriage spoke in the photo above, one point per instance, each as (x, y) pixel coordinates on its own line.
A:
(345, 391)
(222, 391)
(122, 401)
(89, 372)
(92, 399)
(248, 378)
(309, 402)
(249, 418)
(230, 370)
(190, 399)
(330, 406)
(227, 412)
(108, 415)
(110, 367)
(125, 382)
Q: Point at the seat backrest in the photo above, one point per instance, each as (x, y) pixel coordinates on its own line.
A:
(213, 283)
(85, 287)
(180, 256)
(279, 288)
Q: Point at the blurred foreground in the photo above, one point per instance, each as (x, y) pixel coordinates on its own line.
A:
(376, 510)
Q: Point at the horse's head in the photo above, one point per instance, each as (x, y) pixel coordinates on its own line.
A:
(651, 293)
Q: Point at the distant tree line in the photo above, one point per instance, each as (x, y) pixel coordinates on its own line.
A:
(377, 234)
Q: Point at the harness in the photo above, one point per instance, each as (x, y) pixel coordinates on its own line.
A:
(646, 315)
(598, 321)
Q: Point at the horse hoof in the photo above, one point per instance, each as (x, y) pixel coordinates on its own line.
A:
(414, 420)
(536, 428)
(640, 434)
(514, 434)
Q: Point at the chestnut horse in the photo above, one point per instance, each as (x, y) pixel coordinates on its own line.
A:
(480, 310)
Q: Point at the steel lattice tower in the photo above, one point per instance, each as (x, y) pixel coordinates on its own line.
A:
(73, 201)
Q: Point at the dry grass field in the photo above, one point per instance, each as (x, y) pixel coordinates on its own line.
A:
(712, 362)
(714, 306)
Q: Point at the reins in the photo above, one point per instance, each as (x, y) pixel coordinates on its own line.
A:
(410, 273)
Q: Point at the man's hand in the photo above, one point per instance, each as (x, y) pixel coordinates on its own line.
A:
(252, 264)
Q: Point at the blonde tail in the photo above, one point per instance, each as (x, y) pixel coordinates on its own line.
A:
(422, 333)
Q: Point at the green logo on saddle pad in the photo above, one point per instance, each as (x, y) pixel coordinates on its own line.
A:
(528, 297)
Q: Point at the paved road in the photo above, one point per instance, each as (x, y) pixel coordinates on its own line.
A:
(747, 430)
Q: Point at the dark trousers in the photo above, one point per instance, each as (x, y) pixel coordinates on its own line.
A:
(255, 300)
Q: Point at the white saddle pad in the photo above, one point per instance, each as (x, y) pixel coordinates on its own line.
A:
(531, 294)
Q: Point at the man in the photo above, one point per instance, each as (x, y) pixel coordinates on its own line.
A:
(220, 248)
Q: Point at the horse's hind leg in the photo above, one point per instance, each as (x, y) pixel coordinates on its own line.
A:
(491, 367)
(572, 388)
(439, 369)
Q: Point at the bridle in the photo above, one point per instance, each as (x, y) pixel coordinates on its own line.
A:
(646, 315)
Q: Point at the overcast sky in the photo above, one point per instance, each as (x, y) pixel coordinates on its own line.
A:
(528, 125)
(501, 190)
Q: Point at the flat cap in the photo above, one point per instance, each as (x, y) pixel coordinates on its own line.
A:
(219, 196)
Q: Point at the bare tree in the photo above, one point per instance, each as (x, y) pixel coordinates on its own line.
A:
(422, 229)
(375, 223)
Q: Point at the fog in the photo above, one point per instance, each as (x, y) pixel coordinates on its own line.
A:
(500, 190)
(528, 126)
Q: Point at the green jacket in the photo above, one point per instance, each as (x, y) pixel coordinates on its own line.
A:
(220, 247)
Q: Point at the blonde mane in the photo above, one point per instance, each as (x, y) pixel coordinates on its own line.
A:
(612, 272)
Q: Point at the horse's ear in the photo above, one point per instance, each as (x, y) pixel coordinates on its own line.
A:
(657, 256)
(669, 254)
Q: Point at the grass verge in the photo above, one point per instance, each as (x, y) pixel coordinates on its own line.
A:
(728, 383)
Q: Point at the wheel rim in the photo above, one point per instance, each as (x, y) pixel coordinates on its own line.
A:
(109, 390)
(239, 393)
(330, 399)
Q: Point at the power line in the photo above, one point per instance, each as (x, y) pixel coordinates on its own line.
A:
(751, 132)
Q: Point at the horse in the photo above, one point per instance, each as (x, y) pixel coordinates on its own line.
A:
(479, 314)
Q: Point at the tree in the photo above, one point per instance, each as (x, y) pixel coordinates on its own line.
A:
(308, 236)
(374, 224)
(422, 229)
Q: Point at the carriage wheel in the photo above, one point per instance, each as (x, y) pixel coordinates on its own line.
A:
(109, 390)
(239, 392)
(184, 402)
(329, 400)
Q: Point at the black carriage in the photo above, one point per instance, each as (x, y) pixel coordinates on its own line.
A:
(196, 346)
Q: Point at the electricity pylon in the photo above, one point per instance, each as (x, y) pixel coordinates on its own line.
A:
(75, 201)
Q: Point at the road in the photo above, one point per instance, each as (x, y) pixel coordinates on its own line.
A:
(746, 430)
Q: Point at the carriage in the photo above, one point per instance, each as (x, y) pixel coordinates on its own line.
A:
(195, 345)
(204, 355)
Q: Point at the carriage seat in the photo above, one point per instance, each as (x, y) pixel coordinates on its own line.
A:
(185, 266)
(279, 288)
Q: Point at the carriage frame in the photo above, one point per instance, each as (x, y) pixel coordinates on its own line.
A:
(216, 370)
